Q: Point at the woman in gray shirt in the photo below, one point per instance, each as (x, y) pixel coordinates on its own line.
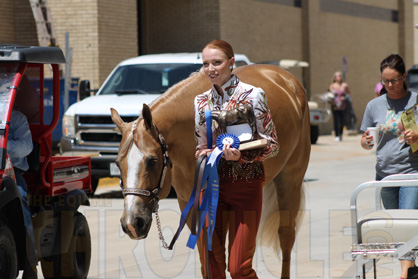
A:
(393, 153)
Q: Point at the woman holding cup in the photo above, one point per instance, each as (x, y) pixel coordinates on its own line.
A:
(382, 127)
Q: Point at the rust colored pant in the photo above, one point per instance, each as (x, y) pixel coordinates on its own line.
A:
(239, 212)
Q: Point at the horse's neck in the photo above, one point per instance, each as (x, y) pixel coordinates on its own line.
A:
(173, 112)
(174, 104)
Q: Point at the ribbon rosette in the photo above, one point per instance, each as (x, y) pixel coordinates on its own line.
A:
(220, 142)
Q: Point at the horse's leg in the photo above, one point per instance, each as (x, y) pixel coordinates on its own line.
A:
(289, 186)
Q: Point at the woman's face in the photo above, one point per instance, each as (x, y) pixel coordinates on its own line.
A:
(216, 66)
(393, 81)
(338, 77)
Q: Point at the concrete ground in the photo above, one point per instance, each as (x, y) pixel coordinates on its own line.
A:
(323, 243)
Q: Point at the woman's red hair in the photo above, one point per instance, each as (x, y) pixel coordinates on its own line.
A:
(223, 46)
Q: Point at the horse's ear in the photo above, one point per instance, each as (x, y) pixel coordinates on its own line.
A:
(146, 114)
(117, 119)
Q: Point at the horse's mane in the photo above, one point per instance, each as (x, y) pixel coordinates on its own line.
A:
(173, 90)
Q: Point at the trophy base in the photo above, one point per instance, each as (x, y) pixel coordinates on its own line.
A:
(254, 144)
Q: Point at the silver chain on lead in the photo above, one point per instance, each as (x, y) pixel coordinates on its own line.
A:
(160, 231)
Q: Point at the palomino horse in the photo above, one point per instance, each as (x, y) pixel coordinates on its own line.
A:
(143, 157)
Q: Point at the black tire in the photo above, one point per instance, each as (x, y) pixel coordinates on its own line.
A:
(8, 254)
(76, 262)
(94, 183)
(314, 134)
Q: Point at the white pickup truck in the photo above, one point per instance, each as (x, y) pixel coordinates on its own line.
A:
(87, 127)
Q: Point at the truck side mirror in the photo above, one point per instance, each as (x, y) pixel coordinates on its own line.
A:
(84, 89)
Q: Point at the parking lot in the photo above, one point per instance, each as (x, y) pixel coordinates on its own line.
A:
(323, 243)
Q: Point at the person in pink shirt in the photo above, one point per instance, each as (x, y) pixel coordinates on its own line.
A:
(340, 90)
(377, 89)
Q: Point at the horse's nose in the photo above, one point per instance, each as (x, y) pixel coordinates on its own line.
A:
(133, 226)
(140, 223)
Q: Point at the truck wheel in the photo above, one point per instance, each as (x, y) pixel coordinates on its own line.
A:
(8, 256)
(314, 133)
(76, 262)
(94, 183)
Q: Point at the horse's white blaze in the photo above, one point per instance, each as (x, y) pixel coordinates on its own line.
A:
(134, 158)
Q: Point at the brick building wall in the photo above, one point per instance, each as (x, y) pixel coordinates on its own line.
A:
(263, 30)
(117, 33)
(415, 21)
(178, 25)
(17, 23)
(7, 33)
(321, 32)
(79, 19)
(364, 32)
(101, 34)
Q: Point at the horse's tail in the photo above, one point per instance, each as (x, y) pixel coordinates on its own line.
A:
(270, 218)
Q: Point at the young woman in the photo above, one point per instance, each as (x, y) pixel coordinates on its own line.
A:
(385, 112)
(340, 90)
(241, 174)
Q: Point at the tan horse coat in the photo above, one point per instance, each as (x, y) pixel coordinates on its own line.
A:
(173, 114)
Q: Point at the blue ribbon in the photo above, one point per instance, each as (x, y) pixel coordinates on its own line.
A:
(213, 192)
(213, 186)
(210, 198)
(209, 202)
(208, 118)
(232, 139)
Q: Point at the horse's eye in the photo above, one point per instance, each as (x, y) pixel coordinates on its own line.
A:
(152, 162)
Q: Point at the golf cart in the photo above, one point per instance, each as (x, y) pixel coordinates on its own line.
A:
(318, 106)
(57, 185)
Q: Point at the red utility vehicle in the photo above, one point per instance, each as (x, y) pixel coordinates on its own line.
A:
(57, 185)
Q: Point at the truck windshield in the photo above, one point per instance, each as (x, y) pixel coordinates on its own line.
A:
(147, 78)
(7, 73)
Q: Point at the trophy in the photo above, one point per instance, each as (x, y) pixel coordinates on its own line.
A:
(241, 123)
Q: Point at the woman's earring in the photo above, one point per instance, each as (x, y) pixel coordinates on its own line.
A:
(230, 67)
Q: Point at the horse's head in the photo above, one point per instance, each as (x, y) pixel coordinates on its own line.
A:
(145, 172)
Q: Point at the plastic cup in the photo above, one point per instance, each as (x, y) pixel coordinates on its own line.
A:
(373, 131)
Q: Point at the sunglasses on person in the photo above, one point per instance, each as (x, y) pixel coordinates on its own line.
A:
(393, 81)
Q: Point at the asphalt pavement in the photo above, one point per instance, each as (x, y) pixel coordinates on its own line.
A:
(323, 243)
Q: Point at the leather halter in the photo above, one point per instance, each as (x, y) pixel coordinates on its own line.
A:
(154, 194)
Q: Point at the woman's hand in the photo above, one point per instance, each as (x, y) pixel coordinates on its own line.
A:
(230, 153)
(410, 136)
(201, 152)
(366, 140)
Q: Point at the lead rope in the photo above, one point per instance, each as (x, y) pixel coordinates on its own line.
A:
(160, 231)
(157, 206)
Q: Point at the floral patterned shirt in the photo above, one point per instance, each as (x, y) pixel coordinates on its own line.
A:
(235, 92)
